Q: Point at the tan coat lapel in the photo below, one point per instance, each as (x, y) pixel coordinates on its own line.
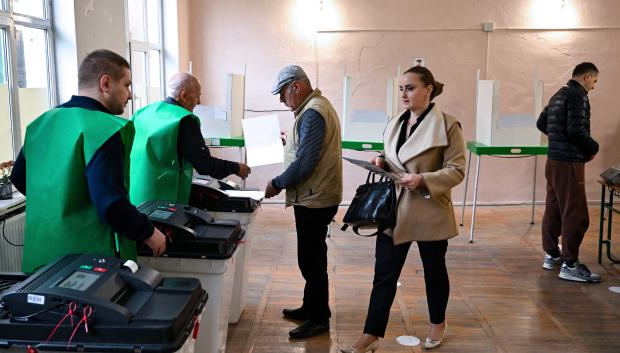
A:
(431, 133)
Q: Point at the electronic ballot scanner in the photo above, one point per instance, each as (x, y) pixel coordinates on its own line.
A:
(192, 233)
(99, 304)
(220, 196)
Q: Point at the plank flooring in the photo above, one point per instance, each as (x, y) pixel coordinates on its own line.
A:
(501, 299)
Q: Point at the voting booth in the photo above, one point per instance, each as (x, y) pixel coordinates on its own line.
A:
(224, 122)
(367, 125)
(494, 128)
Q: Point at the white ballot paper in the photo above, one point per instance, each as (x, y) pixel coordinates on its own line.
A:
(262, 140)
(373, 168)
(256, 195)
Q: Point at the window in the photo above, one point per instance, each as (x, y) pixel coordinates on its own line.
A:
(25, 69)
(144, 25)
(6, 145)
(32, 79)
(34, 8)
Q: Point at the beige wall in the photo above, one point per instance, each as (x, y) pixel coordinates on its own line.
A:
(372, 38)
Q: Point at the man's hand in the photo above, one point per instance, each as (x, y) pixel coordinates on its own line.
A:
(411, 181)
(157, 242)
(271, 191)
(244, 171)
(378, 161)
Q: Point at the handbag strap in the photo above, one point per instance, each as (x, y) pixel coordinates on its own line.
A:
(356, 230)
(368, 179)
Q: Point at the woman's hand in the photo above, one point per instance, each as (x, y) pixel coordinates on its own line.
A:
(411, 181)
(378, 161)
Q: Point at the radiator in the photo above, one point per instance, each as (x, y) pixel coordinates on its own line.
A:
(12, 230)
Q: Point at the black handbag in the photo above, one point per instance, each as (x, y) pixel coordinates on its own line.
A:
(374, 206)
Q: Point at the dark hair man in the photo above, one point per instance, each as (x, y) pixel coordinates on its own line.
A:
(76, 156)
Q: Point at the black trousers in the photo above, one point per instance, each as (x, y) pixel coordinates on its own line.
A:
(311, 225)
(389, 261)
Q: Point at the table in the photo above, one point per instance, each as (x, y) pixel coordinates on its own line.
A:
(362, 146)
(480, 149)
(240, 142)
(609, 206)
(8, 206)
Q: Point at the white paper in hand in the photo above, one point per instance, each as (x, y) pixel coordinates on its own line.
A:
(262, 140)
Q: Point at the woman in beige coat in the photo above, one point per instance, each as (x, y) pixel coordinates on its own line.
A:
(426, 147)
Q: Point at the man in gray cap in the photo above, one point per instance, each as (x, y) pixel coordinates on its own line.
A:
(313, 183)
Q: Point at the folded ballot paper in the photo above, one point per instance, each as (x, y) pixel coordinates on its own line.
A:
(373, 168)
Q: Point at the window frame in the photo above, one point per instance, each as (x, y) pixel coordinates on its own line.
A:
(146, 46)
(8, 22)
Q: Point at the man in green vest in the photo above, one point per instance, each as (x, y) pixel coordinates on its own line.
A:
(313, 183)
(76, 156)
(169, 145)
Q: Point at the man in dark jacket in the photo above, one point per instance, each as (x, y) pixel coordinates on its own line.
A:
(566, 120)
(169, 145)
(75, 159)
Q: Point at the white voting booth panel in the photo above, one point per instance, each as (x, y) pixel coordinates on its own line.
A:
(362, 125)
(242, 259)
(224, 122)
(392, 97)
(496, 129)
(216, 277)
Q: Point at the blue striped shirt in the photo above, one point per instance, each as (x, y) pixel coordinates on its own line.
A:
(311, 130)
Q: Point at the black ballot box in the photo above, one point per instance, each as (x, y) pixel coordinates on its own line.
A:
(89, 303)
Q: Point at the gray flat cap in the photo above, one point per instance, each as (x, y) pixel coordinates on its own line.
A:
(286, 76)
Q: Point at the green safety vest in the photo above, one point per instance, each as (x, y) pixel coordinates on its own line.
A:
(60, 216)
(156, 173)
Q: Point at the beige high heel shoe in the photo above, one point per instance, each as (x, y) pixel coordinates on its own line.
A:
(370, 348)
(430, 344)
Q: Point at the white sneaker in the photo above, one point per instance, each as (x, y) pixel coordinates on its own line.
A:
(578, 273)
(552, 263)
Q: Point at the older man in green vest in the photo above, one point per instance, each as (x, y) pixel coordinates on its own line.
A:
(169, 145)
(76, 156)
(313, 183)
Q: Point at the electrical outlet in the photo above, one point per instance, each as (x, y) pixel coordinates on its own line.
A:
(487, 26)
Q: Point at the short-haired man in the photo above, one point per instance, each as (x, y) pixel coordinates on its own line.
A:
(313, 183)
(169, 145)
(566, 120)
(76, 157)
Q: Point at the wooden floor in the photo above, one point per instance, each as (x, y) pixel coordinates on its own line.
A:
(501, 299)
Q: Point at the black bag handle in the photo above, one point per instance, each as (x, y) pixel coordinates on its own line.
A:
(379, 231)
(382, 178)
(356, 231)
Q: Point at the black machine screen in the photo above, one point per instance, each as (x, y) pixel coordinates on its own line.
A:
(79, 280)
(160, 214)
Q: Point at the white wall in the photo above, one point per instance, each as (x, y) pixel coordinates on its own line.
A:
(371, 38)
(81, 26)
